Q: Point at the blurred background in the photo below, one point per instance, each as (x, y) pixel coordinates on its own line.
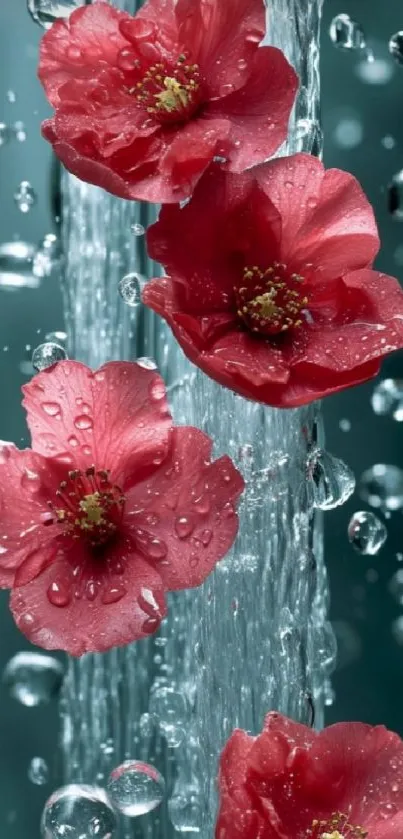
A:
(362, 84)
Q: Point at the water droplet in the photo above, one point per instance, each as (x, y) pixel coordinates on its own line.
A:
(47, 256)
(45, 12)
(396, 47)
(33, 678)
(38, 771)
(136, 788)
(170, 709)
(184, 527)
(346, 34)
(16, 260)
(185, 812)
(137, 229)
(349, 133)
(366, 533)
(46, 355)
(25, 197)
(130, 289)
(59, 593)
(396, 586)
(330, 481)
(381, 486)
(113, 593)
(348, 643)
(387, 399)
(77, 811)
(57, 337)
(11, 97)
(51, 408)
(19, 132)
(388, 142)
(345, 425)
(395, 196)
(397, 630)
(84, 422)
(374, 71)
(4, 134)
(73, 442)
(146, 363)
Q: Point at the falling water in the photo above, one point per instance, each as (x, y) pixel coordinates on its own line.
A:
(255, 636)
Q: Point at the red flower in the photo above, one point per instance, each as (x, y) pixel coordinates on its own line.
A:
(110, 509)
(269, 288)
(290, 782)
(145, 103)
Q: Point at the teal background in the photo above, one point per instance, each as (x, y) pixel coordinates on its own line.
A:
(370, 686)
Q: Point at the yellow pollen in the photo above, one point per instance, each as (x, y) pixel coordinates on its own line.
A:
(264, 305)
(175, 96)
(93, 511)
(337, 827)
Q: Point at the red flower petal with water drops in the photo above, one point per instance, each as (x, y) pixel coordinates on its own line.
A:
(279, 302)
(144, 104)
(189, 503)
(116, 417)
(93, 519)
(345, 781)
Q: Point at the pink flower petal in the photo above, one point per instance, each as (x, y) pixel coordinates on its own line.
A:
(347, 768)
(222, 38)
(111, 609)
(259, 112)
(116, 418)
(87, 42)
(188, 507)
(326, 218)
(26, 545)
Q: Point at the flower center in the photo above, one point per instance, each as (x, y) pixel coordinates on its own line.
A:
(337, 827)
(270, 301)
(89, 506)
(170, 93)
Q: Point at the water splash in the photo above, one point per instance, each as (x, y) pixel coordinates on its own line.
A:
(266, 604)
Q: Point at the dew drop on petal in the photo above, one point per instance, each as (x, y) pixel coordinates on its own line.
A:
(46, 355)
(396, 46)
(367, 533)
(52, 409)
(84, 422)
(38, 771)
(33, 678)
(381, 487)
(45, 12)
(25, 197)
(330, 481)
(346, 34)
(112, 593)
(59, 593)
(130, 289)
(184, 526)
(136, 788)
(76, 811)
